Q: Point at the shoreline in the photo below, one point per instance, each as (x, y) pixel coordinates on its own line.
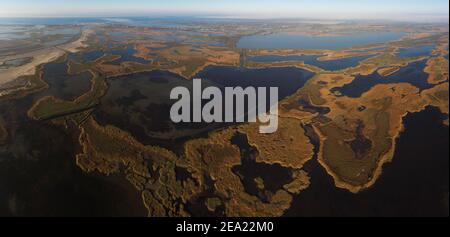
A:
(384, 159)
(41, 57)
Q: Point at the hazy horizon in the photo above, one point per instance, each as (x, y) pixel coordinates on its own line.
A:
(399, 10)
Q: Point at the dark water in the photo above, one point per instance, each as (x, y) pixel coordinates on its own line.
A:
(127, 55)
(38, 173)
(145, 98)
(39, 177)
(249, 170)
(307, 106)
(286, 40)
(415, 183)
(368, 50)
(92, 55)
(329, 65)
(197, 206)
(65, 86)
(288, 79)
(418, 51)
(412, 74)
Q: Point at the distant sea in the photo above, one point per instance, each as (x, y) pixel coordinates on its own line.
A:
(47, 21)
(138, 21)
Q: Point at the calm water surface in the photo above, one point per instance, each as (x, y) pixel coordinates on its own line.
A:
(329, 65)
(419, 51)
(413, 74)
(290, 40)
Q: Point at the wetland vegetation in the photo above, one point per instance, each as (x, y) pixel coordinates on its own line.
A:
(89, 130)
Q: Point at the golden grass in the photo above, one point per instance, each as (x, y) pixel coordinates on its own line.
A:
(437, 68)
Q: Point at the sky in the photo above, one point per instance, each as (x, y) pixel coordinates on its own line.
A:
(404, 10)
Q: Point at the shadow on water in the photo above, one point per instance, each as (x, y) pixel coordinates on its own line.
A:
(415, 183)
